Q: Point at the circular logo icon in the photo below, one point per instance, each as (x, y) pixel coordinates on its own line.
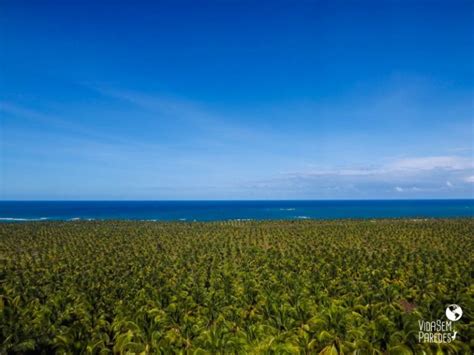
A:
(453, 312)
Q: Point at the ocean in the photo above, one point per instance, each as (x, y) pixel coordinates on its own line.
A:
(11, 211)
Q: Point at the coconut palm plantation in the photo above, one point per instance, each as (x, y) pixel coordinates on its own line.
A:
(282, 287)
(237, 177)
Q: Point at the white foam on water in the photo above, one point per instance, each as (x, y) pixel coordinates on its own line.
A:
(22, 219)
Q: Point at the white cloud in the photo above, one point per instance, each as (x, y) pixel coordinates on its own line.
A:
(398, 167)
(406, 189)
(427, 176)
(431, 163)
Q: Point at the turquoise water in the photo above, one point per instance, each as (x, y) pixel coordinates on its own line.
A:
(231, 210)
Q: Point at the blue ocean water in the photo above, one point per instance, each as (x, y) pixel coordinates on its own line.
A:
(231, 210)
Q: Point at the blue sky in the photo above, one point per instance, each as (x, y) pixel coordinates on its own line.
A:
(236, 99)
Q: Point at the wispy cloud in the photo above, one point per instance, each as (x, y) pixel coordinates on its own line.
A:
(77, 133)
(408, 189)
(185, 112)
(32, 115)
(160, 140)
(431, 163)
(414, 165)
(410, 175)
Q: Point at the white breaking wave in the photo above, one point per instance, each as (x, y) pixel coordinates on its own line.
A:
(302, 217)
(287, 209)
(22, 219)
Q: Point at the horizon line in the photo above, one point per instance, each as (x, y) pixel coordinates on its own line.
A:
(240, 200)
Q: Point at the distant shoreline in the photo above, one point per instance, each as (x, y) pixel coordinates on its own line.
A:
(229, 221)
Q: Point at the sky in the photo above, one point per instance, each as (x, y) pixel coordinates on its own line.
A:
(178, 100)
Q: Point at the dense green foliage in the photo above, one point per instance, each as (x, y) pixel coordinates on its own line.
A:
(234, 287)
